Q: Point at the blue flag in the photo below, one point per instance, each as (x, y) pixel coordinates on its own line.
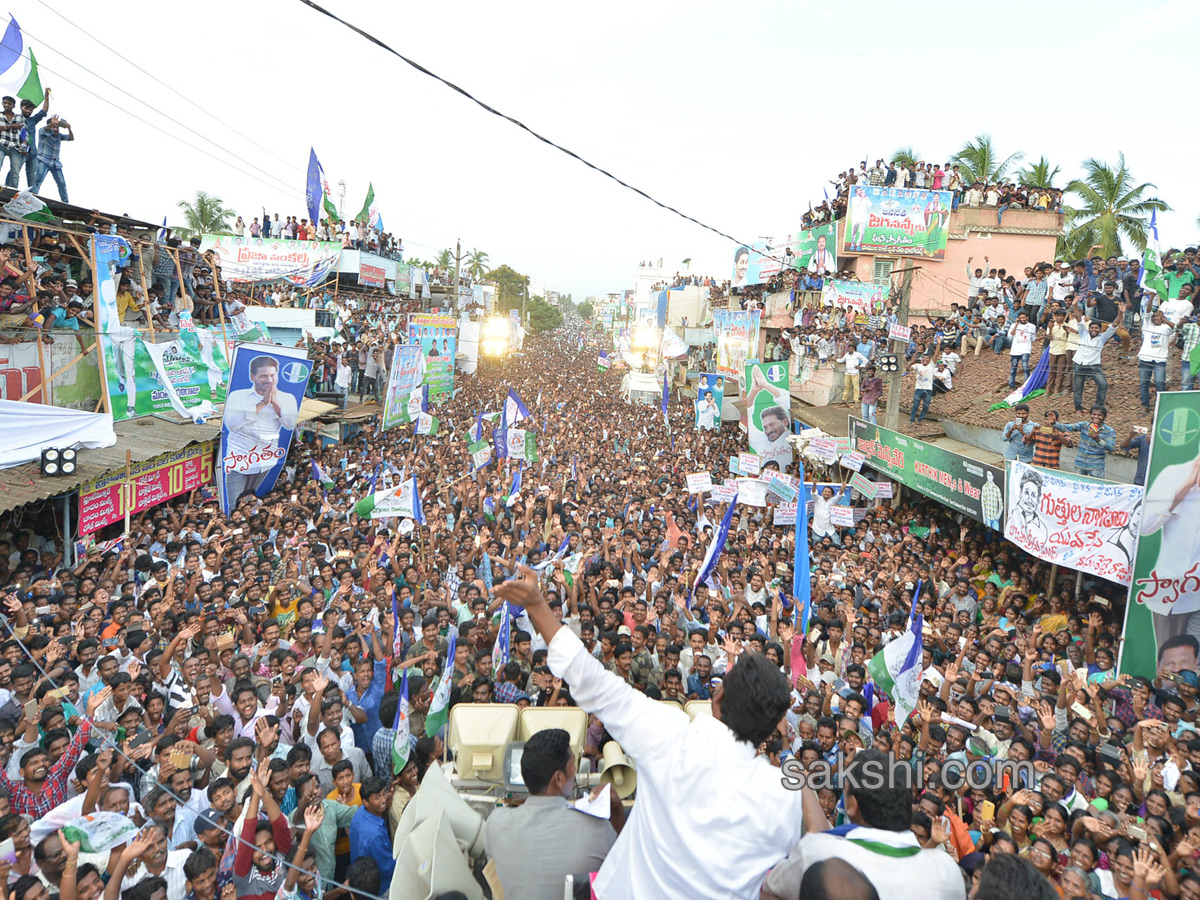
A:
(312, 187)
(516, 485)
(801, 577)
(485, 571)
(162, 232)
(514, 409)
(714, 549)
(666, 395)
(500, 436)
(500, 648)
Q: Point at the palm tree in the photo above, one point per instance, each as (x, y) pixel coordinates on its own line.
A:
(980, 162)
(205, 215)
(907, 156)
(1112, 209)
(445, 259)
(477, 263)
(1039, 174)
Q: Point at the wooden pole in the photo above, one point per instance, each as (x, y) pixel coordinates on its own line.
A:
(105, 399)
(36, 311)
(145, 291)
(59, 371)
(221, 313)
(129, 489)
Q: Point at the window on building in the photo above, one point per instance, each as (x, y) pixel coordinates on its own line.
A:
(883, 271)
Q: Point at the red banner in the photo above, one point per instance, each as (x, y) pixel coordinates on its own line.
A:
(371, 276)
(155, 481)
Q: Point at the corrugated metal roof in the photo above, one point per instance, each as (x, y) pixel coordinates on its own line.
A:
(144, 438)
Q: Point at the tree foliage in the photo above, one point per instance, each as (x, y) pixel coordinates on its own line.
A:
(477, 263)
(584, 309)
(980, 161)
(510, 286)
(543, 316)
(1040, 174)
(205, 214)
(906, 156)
(1111, 209)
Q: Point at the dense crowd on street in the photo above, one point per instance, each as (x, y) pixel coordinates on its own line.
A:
(229, 680)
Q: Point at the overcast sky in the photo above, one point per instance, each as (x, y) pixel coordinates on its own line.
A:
(736, 113)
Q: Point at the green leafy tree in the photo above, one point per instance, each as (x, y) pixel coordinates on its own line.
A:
(1112, 210)
(980, 161)
(510, 286)
(477, 263)
(445, 259)
(1040, 174)
(584, 309)
(205, 214)
(543, 316)
(906, 155)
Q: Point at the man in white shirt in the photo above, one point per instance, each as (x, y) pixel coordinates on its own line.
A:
(859, 209)
(1021, 333)
(1061, 283)
(254, 418)
(923, 392)
(675, 832)
(854, 363)
(878, 841)
(1152, 357)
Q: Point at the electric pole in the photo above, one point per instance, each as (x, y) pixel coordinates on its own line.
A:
(457, 262)
(892, 415)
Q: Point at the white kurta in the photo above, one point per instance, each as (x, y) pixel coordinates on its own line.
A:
(710, 819)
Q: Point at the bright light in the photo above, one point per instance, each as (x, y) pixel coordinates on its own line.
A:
(645, 337)
(497, 328)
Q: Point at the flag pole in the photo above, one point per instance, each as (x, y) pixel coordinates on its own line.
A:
(41, 353)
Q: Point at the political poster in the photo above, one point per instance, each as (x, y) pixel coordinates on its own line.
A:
(408, 370)
(699, 482)
(759, 262)
(251, 259)
(437, 335)
(769, 412)
(959, 482)
(178, 375)
(842, 516)
(896, 221)
(154, 481)
(899, 332)
(752, 492)
(853, 461)
(783, 485)
(266, 388)
(815, 249)
(1074, 521)
(710, 395)
(749, 463)
(861, 296)
(371, 276)
(1164, 595)
(737, 338)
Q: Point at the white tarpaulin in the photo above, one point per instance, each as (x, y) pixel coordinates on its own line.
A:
(26, 429)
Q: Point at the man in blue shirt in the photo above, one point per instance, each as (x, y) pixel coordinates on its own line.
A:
(49, 159)
(368, 829)
(1138, 443)
(370, 677)
(1015, 433)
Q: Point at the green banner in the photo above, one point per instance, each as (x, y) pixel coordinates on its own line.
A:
(145, 379)
(1165, 591)
(816, 249)
(769, 412)
(959, 482)
(896, 222)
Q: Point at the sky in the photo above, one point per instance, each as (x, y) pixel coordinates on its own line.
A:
(738, 114)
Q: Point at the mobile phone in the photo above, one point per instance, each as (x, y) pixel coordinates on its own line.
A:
(236, 531)
(144, 736)
(1002, 711)
(31, 710)
(43, 610)
(1110, 753)
(58, 693)
(1082, 711)
(987, 809)
(1138, 834)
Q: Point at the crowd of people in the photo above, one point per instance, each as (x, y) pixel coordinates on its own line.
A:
(228, 681)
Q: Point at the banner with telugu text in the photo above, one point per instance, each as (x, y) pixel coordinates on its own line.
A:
(1074, 521)
(437, 336)
(737, 338)
(959, 482)
(865, 297)
(154, 481)
(251, 259)
(896, 221)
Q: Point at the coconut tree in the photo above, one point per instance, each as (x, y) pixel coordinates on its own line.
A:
(206, 214)
(907, 156)
(1040, 174)
(1112, 208)
(477, 263)
(445, 259)
(979, 161)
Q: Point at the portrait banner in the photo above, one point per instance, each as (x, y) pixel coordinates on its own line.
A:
(710, 395)
(437, 336)
(408, 369)
(1074, 521)
(861, 296)
(896, 221)
(769, 412)
(266, 388)
(737, 338)
(815, 249)
(1164, 593)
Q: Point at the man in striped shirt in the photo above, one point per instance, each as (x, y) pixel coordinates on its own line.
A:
(1047, 442)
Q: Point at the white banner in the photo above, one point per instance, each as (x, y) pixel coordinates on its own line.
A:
(699, 482)
(853, 460)
(749, 463)
(1077, 522)
(752, 492)
(271, 259)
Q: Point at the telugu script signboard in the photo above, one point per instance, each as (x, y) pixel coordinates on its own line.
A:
(155, 481)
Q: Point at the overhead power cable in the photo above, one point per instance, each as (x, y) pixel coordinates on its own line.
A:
(517, 122)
